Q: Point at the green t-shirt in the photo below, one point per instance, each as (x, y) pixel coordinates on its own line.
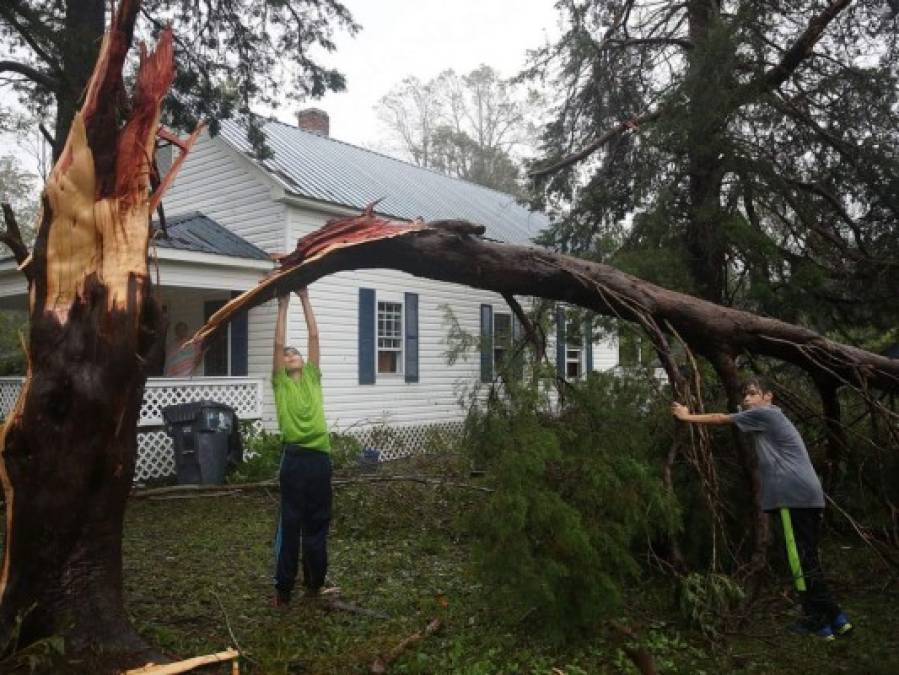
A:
(301, 411)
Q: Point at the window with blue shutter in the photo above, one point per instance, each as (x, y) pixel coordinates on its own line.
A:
(486, 343)
(366, 336)
(411, 337)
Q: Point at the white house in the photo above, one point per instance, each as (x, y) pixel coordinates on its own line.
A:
(383, 332)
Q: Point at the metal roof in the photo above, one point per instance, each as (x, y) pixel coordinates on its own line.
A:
(196, 232)
(325, 169)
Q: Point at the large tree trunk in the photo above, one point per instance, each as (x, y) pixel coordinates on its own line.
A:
(452, 252)
(68, 448)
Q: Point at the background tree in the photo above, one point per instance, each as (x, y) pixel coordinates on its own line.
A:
(467, 126)
(741, 151)
(231, 55)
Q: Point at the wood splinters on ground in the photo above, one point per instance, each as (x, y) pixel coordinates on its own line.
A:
(382, 663)
(189, 664)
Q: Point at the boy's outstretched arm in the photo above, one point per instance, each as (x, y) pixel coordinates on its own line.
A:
(682, 413)
(313, 350)
(280, 330)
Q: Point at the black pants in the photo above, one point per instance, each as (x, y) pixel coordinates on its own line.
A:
(305, 480)
(817, 603)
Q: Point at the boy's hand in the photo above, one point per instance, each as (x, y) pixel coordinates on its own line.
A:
(681, 412)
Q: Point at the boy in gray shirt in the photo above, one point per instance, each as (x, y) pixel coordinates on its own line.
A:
(791, 487)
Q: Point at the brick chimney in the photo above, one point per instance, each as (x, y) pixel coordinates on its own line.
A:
(314, 120)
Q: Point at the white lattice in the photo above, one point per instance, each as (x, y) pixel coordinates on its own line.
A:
(155, 452)
(395, 442)
(242, 394)
(155, 455)
(9, 392)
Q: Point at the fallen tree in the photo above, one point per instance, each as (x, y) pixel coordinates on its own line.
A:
(454, 251)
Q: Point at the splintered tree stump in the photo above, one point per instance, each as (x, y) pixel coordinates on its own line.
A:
(67, 451)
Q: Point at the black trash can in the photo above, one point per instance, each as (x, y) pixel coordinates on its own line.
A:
(204, 434)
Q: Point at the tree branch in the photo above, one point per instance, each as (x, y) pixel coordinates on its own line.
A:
(659, 41)
(630, 125)
(12, 237)
(31, 73)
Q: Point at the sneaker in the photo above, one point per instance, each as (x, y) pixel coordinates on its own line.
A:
(280, 601)
(825, 632)
(841, 626)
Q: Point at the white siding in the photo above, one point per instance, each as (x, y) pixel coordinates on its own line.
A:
(227, 187)
(605, 353)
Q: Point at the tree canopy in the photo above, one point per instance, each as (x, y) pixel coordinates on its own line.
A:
(231, 55)
(467, 126)
(741, 151)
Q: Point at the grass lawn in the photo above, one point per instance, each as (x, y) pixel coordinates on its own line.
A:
(194, 567)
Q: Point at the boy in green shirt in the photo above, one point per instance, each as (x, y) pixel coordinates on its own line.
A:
(305, 473)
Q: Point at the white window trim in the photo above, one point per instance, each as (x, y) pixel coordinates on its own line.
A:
(574, 347)
(399, 299)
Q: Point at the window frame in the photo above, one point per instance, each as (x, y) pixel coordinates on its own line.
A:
(508, 342)
(400, 337)
(573, 347)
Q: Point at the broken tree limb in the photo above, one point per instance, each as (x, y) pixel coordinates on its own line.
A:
(382, 663)
(442, 255)
(187, 665)
(12, 237)
(229, 488)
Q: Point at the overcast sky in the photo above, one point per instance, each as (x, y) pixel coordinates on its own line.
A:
(414, 37)
(422, 38)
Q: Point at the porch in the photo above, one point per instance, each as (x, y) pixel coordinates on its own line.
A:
(155, 454)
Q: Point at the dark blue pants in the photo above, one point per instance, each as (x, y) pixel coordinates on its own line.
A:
(305, 480)
(817, 603)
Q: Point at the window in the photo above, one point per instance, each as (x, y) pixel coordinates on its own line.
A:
(390, 337)
(574, 349)
(637, 350)
(502, 339)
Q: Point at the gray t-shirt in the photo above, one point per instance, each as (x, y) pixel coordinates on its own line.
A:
(788, 478)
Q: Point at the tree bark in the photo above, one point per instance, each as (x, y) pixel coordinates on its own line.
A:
(434, 252)
(68, 449)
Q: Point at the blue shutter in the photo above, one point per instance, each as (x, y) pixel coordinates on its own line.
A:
(588, 345)
(560, 341)
(486, 343)
(239, 342)
(366, 336)
(411, 350)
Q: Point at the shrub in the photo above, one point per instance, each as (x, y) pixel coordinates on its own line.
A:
(574, 492)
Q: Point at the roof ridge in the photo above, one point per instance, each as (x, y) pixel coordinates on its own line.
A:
(390, 157)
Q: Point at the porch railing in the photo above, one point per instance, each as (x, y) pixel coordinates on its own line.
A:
(155, 457)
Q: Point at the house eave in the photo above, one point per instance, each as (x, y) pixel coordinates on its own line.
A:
(284, 196)
(212, 259)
